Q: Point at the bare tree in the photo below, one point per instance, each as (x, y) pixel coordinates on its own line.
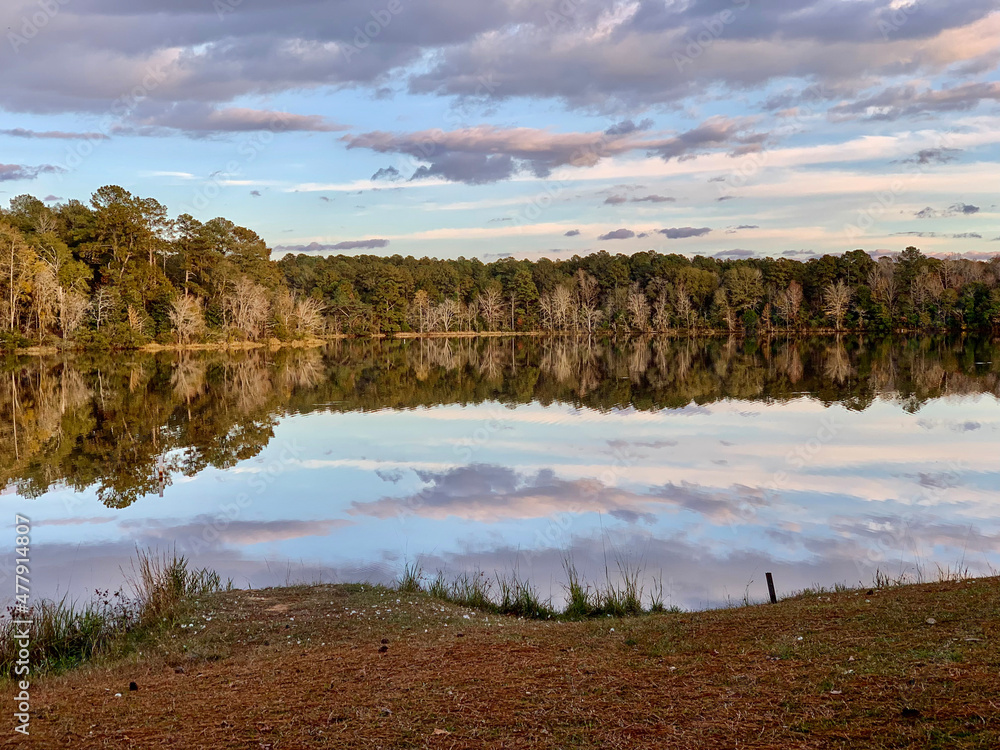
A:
(638, 307)
(589, 317)
(16, 261)
(725, 311)
(661, 311)
(546, 308)
(187, 317)
(247, 307)
(102, 304)
(882, 282)
(309, 316)
(72, 312)
(837, 301)
(443, 315)
(789, 302)
(491, 306)
(562, 307)
(683, 303)
(422, 307)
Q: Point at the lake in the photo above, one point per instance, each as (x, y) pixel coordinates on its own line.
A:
(706, 462)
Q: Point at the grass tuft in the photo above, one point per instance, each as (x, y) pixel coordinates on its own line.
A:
(65, 633)
(410, 582)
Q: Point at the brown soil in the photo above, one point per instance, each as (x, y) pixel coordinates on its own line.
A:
(352, 666)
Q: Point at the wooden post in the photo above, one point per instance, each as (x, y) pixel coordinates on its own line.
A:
(770, 588)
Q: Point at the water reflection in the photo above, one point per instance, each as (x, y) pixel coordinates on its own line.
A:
(711, 459)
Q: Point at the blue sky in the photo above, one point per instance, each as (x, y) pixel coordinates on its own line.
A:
(778, 127)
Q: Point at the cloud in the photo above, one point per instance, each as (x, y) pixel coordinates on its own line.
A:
(735, 253)
(628, 126)
(54, 134)
(51, 198)
(255, 193)
(490, 493)
(599, 57)
(898, 102)
(386, 173)
(235, 533)
(680, 233)
(616, 200)
(316, 247)
(618, 234)
(12, 172)
(933, 156)
(956, 209)
(200, 119)
(637, 54)
(576, 233)
(324, 198)
(487, 153)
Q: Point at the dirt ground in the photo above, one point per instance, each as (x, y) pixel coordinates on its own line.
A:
(357, 666)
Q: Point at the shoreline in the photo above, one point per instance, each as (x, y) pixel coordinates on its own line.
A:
(702, 333)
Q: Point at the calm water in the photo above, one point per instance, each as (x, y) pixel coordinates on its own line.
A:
(710, 461)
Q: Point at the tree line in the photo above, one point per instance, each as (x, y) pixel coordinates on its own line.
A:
(120, 272)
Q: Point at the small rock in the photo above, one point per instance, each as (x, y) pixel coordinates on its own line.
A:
(869, 592)
(931, 621)
(383, 649)
(179, 670)
(133, 687)
(910, 713)
(385, 640)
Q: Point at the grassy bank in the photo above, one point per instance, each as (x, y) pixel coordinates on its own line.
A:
(368, 666)
(64, 634)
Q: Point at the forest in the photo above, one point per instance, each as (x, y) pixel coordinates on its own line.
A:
(119, 272)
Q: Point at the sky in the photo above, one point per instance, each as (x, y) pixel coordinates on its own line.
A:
(713, 496)
(530, 128)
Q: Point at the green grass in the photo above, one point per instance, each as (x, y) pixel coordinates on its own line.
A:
(65, 633)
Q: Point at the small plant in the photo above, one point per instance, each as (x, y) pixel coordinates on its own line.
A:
(624, 598)
(579, 602)
(520, 599)
(410, 581)
(439, 587)
(472, 590)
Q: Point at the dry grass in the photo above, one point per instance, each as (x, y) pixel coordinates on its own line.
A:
(356, 666)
